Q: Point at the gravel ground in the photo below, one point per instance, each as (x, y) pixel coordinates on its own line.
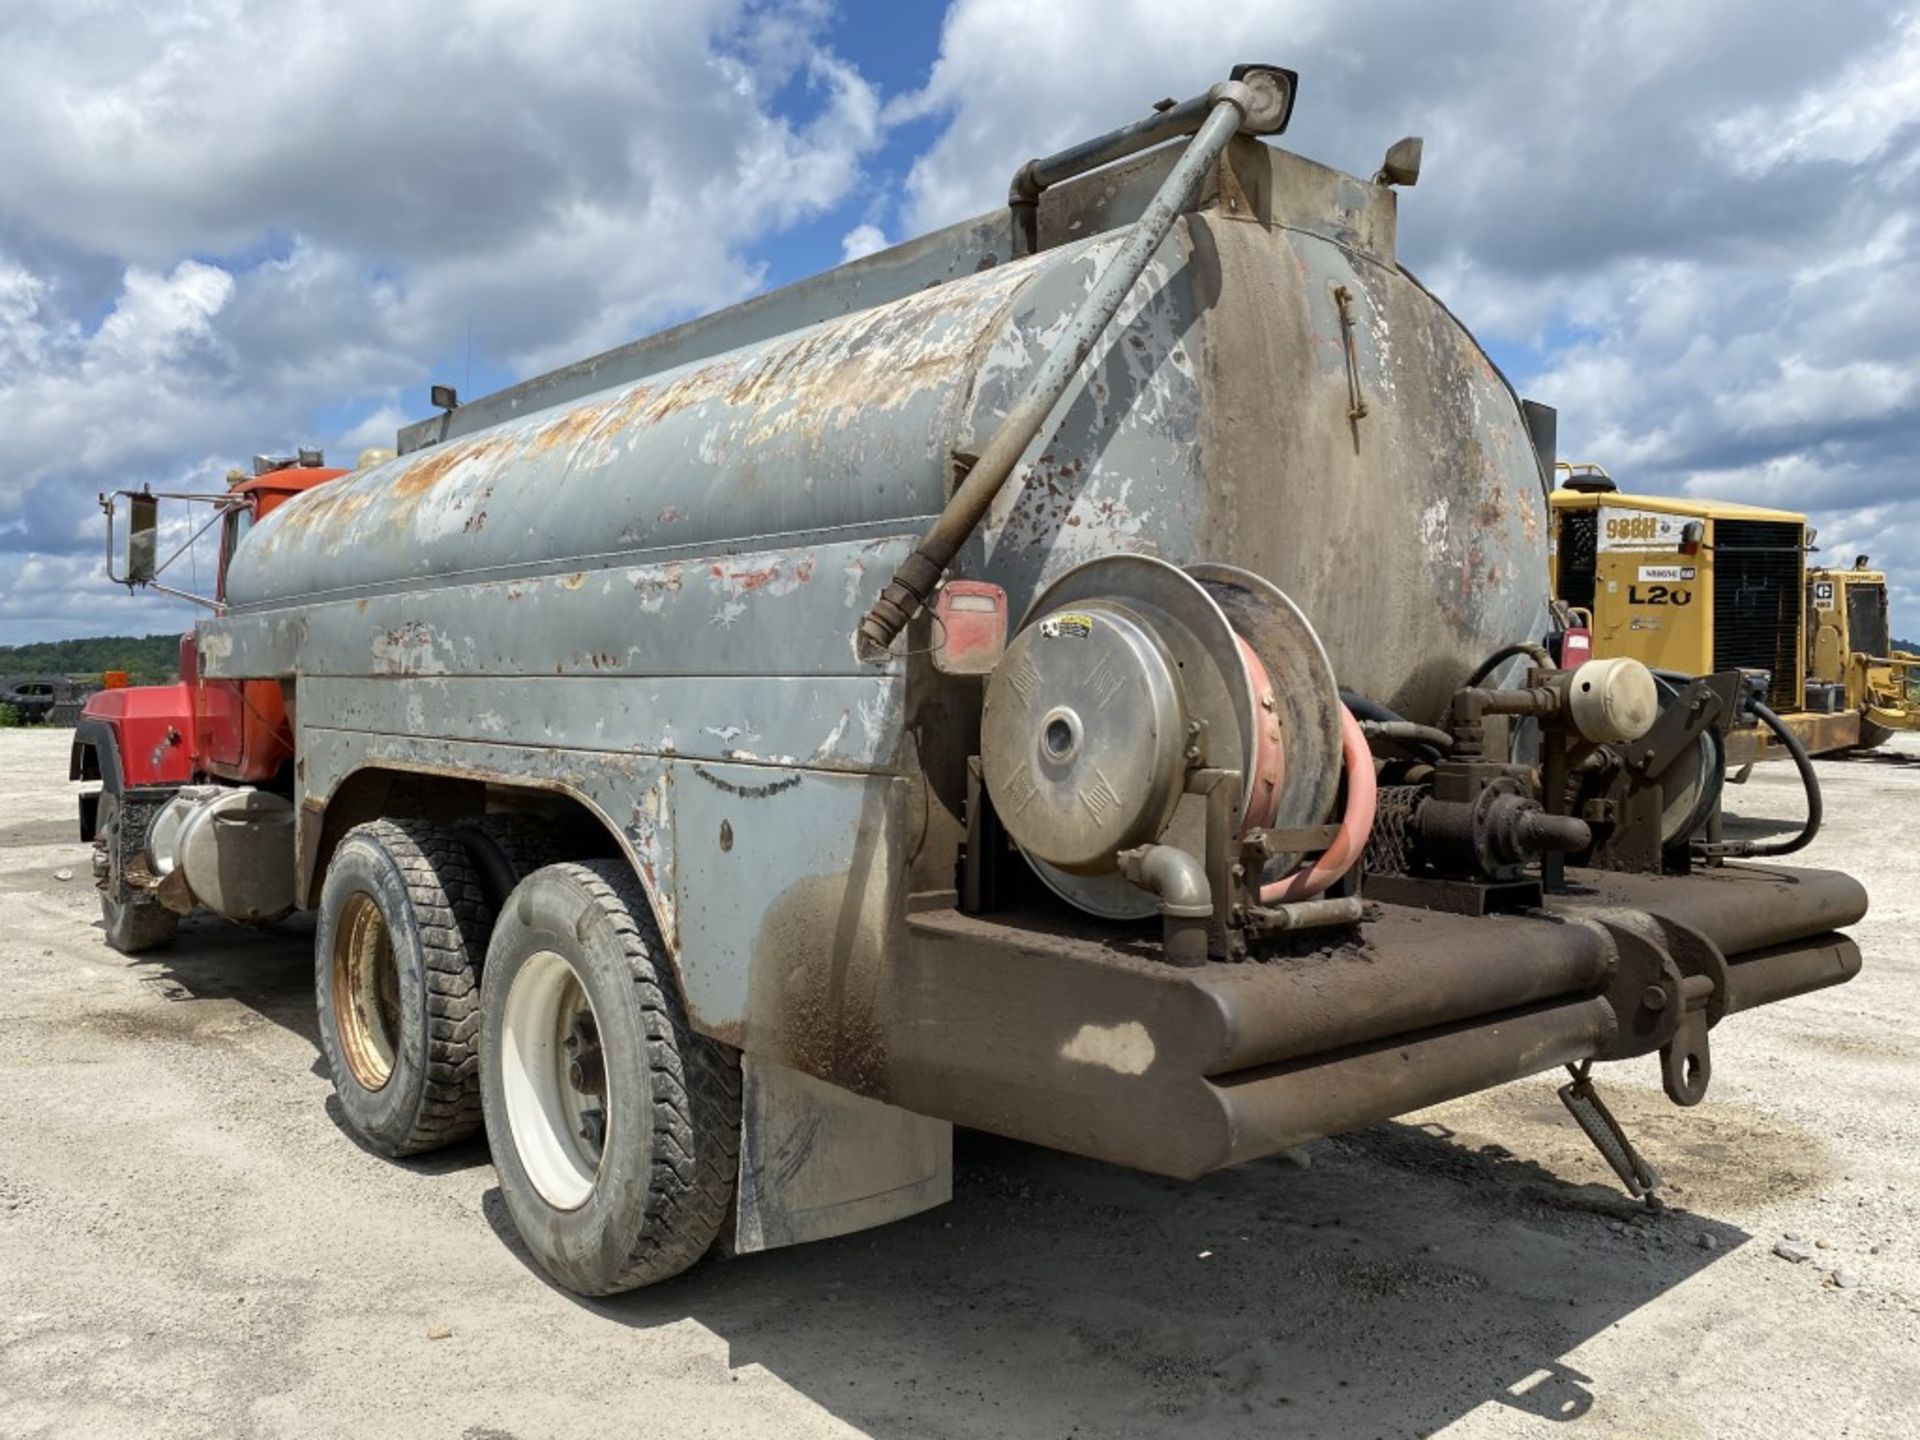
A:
(190, 1245)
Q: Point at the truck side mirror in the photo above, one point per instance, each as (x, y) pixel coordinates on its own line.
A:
(143, 535)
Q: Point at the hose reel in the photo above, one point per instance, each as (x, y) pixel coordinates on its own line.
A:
(1129, 676)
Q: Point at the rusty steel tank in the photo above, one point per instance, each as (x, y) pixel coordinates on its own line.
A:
(1276, 393)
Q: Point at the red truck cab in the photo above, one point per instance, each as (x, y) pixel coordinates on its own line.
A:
(158, 737)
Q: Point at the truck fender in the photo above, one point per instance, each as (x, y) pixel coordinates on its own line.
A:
(95, 756)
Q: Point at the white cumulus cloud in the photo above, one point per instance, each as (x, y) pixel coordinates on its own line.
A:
(230, 226)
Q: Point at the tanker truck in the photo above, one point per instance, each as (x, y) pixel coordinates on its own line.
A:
(1064, 676)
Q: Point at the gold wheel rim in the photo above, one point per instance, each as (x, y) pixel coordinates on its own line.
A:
(366, 992)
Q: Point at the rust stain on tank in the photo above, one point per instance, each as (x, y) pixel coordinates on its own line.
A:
(833, 377)
(776, 576)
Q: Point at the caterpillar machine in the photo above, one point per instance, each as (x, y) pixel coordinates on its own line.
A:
(1692, 586)
(1086, 674)
(1852, 664)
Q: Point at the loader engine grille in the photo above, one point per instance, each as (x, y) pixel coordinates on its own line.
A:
(1757, 599)
(1867, 620)
(1579, 543)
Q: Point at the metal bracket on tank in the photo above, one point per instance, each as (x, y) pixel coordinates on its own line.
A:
(1356, 401)
(1220, 790)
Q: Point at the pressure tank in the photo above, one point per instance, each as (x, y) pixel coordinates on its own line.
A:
(1277, 395)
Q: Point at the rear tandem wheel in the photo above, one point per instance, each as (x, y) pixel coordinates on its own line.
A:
(615, 1129)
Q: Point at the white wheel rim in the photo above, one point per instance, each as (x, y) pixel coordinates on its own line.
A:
(549, 1057)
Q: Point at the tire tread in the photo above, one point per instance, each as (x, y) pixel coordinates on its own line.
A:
(695, 1096)
(452, 918)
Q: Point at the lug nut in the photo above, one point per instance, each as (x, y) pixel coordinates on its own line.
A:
(1653, 998)
(588, 1074)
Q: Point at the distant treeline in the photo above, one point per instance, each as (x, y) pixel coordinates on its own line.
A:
(147, 659)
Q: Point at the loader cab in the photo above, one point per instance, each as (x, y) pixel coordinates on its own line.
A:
(1846, 615)
(1687, 585)
(1851, 659)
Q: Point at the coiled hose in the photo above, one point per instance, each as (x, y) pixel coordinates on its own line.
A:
(1810, 782)
(1356, 824)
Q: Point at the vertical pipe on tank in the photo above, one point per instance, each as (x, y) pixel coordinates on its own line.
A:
(1233, 103)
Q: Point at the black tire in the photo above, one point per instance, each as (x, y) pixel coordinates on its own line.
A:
(655, 1192)
(134, 921)
(507, 848)
(1872, 736)
(402, 927)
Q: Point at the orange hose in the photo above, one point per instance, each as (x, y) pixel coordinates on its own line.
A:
(1356, 824)
(1269, 746)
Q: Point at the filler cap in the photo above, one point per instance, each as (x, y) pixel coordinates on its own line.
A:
(1612, 701)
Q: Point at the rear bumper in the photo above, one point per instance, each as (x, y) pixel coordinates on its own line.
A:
(1068, 1040)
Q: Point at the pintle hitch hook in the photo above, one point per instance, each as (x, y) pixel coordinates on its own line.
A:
(1591, 1114)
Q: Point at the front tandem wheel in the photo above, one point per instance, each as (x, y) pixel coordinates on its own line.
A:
(614, 1127)
(402, 928)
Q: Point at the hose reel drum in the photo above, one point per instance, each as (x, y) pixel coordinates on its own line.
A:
(1128, 674)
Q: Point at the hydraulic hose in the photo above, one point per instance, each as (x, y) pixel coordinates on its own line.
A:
(1389, 724)
(1505, 653)
(1356, 824)
(1365, 708)
(1803, 762)
(1426, 736)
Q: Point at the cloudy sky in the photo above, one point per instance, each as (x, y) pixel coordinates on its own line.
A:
(229, 226)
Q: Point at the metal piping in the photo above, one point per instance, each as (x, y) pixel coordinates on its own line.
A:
(1306, 915)
(1179, 882)
(1784, 971)
(1168, 122)
(1408, 983)
(1035, 177)
(1230, 107)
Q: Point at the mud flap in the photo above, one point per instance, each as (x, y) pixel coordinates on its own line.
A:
(817, 1161)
